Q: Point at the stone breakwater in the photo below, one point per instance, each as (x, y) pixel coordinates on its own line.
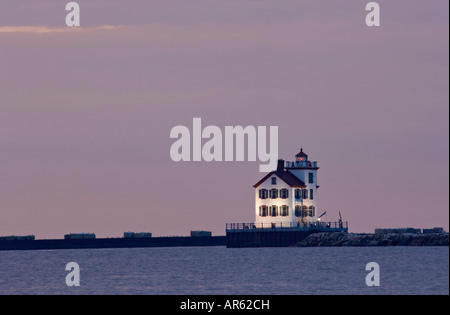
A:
(391, 239)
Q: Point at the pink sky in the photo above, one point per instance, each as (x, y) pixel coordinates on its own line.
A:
(85, 115)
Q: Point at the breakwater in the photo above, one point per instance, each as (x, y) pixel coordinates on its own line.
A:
(337, 239)
(169, 241)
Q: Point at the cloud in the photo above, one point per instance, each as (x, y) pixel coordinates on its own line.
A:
(50, 30)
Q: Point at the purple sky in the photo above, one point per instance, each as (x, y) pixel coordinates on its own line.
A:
(85, 115)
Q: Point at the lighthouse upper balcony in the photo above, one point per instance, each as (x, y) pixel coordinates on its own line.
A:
(302, 164)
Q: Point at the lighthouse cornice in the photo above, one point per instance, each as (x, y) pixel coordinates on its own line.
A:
(302, 168)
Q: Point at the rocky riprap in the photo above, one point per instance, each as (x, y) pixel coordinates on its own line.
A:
(390, 239)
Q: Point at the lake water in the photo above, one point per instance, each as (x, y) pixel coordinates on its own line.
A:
(218, 270)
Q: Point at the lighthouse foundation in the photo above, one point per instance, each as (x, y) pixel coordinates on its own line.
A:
(251, 235)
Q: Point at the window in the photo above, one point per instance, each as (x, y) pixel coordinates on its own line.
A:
(311, 194)
(298, 194)
(273, 211)
(305, 211)
(274, 180)
(263, 193)
(298, 211)
(312, 211)
(284, 211)
(305, 193)
(284, 193)
(309, 211)
(274, 193)
(263, 211)
(311, 178)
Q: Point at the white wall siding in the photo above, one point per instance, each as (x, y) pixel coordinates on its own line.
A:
(267, 184)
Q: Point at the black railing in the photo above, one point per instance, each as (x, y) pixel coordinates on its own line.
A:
(321, 226)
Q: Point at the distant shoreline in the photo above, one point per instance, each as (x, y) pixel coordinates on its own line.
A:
(338, 239)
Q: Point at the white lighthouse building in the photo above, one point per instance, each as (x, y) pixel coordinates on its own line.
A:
(287, 197)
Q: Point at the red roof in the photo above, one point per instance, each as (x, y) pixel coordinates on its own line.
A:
(286, 176)
(301, 153)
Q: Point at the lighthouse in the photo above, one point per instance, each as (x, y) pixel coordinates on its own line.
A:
(287, 196)
(285, 208)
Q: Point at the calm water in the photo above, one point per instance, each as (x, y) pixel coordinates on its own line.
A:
(218, 270)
